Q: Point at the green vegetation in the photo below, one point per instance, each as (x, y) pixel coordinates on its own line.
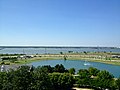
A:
(62, 81)
(56, 78)
(11, 54)
(103, 57)
(72, 71)
(118, 83)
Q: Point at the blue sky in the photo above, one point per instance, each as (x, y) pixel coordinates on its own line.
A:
(60, 22)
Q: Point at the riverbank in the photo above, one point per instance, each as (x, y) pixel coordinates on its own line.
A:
(73, 57)
(92, 58)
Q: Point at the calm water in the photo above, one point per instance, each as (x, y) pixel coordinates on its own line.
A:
(53, 50)
(79, 64)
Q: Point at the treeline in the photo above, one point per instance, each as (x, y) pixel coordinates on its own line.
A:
(56, 78)
(11, 54)
(11, 59)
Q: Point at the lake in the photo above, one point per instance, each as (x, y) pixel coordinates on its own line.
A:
(54, 50)
(79, 64)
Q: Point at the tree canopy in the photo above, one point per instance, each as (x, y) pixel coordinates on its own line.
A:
(56, 78)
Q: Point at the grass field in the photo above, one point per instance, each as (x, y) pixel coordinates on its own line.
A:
(93, 57)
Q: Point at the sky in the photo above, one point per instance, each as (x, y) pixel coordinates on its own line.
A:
(60, 23)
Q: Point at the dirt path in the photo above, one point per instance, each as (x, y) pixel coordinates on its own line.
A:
(82, 88)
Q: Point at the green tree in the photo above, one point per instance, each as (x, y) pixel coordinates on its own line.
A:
(84, 78)
(70, 51)
(84, 73)
(3, 80)
(61, 53)
(66, 81)
(118, 83)
(85, 52)
(13, 59)
(16, 80)
(59, 68)
(65, 57)
(105, 80)
(61, 81)
(72, 70)
(54, 80)
(41, 80)
(22, 78)
(48, 68)
(105, 75)
(93, 71)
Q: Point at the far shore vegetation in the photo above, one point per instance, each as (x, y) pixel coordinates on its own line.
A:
(103, 57)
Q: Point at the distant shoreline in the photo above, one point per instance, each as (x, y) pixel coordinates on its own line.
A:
(66, 57)
(56, 47)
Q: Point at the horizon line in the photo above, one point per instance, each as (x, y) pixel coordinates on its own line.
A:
(54, 46)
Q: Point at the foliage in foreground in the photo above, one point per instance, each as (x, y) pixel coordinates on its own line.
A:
(56, 78)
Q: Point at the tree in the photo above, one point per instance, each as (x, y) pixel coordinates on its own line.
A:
(70, 51)
(65, 57)
(61, 81)
(93, 71)
(16, 80)
(118, 83)
(59, 68)
(84, 77)
(61, 53)
(105, 75)
(48, 68)
(54, 80)
(105, 80)
(84, 73)
(41, 80)
(22, 78)
(72, 70)
(85, 52)
(66, 81)
(3, 80)
(13, 59)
